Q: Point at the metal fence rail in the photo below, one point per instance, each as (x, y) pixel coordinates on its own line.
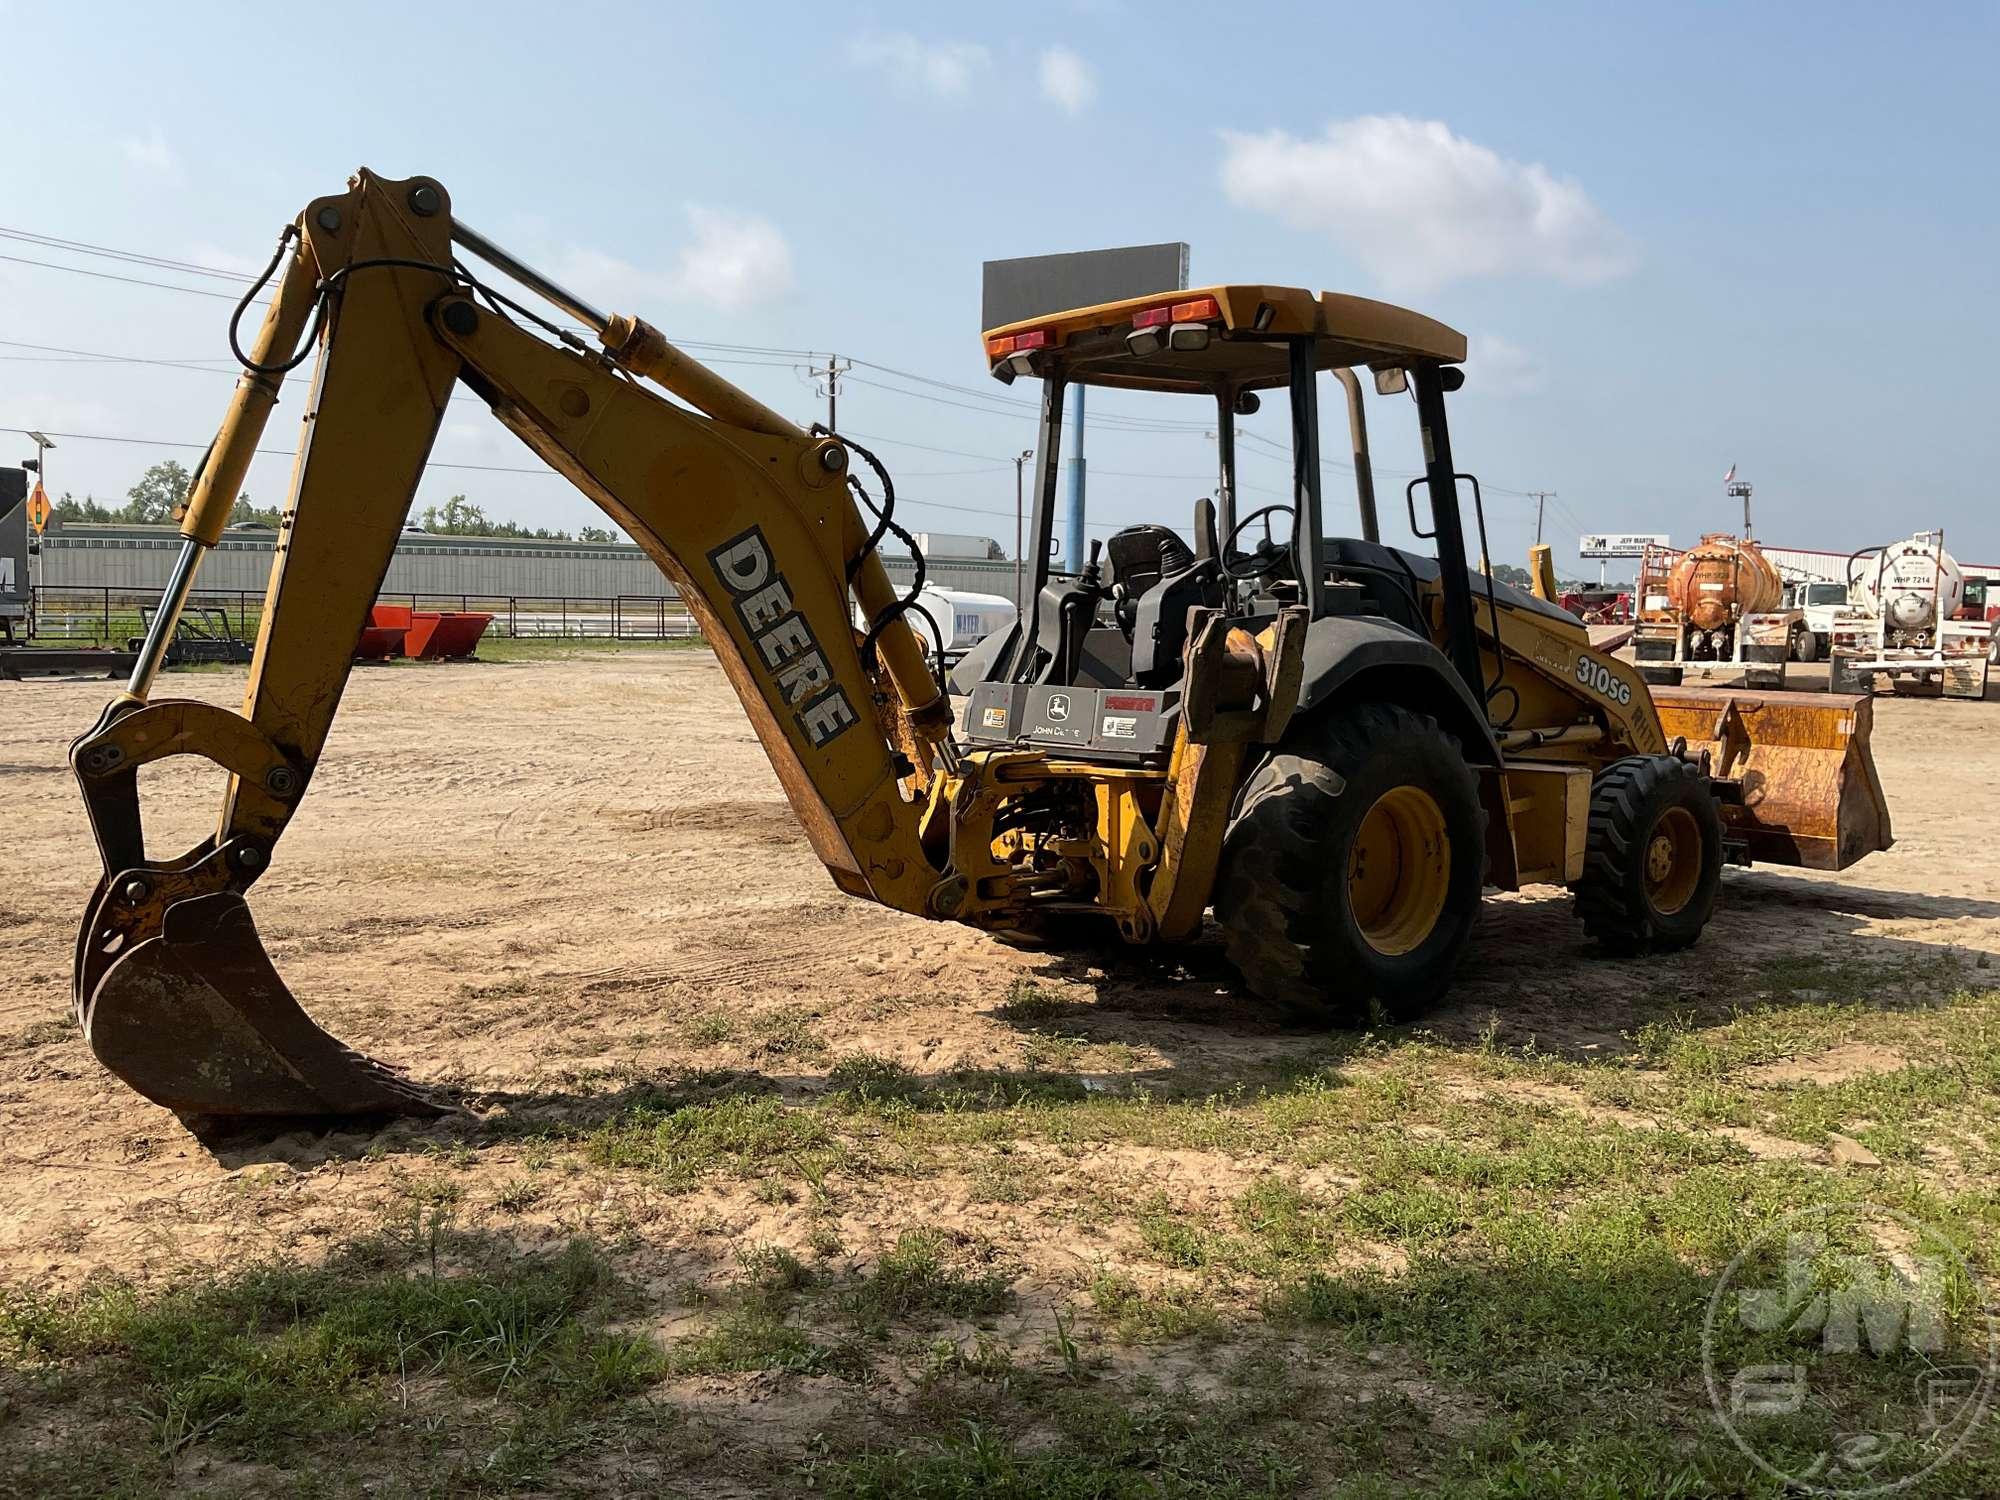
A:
(108, 615)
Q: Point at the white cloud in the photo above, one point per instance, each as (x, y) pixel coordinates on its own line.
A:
(734, 261)
(1496, 367)
(945, 69)
(1068, 82)
(152, 155)
(1419, 206)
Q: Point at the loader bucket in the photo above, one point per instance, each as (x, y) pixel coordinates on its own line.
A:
(198, 1020)
(1810, 795)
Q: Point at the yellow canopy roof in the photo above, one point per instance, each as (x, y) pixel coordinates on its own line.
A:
(1089, 342)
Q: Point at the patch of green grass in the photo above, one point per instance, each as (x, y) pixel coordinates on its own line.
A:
(500, 648)
(1005, 1176)
(1288, 1224)
(517, 1195)
(1891, 1104)
(710, 1029)
(932, 1273)
(754, 1336)
(278, 1354)
(1028, 1004)
(862, 1078)
(1045, 1052)
(775, 1270)
(738, 1133)
(39, 1034)
(789, 1033)
(1174, 1238)
(1164, 1456)
(1141, 1316)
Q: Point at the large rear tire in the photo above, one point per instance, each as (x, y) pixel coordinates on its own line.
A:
(1652, 864)
(1351, 870)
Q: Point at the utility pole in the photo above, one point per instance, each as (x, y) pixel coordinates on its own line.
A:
(1740, 490)
(40, 464)
(1542, 498)
(1021, 460)
(1076, 486)
(827, 383)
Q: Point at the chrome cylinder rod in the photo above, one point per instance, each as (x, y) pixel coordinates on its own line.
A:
(173, 599)
(471, 239)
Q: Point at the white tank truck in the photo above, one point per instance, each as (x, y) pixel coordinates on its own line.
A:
(950, 622)
(1898, 624)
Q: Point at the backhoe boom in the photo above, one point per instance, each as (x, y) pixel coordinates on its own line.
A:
(752, 517)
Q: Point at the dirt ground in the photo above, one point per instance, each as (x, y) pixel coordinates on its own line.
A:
(519, 880)
(560, 891)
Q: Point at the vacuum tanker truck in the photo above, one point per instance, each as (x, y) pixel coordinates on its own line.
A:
(1899, 626)
(1718, 606)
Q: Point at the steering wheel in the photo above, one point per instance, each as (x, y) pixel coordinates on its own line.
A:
(1260, 564)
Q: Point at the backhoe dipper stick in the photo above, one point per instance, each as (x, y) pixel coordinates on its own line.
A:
(175, 992)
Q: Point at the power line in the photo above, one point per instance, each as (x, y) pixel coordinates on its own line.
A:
(135, 257)
(104, 437)
(989, 403)
(101, 437)
(166, 286)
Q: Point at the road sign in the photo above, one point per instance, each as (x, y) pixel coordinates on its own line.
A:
(38, 508)
(1610, 544)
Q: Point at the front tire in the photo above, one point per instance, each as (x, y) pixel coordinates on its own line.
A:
(1652, 864)
(1805, 646)
(1351, 871)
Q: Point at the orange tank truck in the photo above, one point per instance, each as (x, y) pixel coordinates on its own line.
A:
(1721, 579)
(1717, 606)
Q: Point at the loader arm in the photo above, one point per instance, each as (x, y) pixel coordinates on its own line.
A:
(751, 516)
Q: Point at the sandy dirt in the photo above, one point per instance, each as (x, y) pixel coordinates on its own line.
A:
(525, 881)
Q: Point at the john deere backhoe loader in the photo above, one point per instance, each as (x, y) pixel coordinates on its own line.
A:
(1333, 743)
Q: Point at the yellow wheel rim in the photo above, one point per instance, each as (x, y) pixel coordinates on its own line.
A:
(1673, 861)
(1400, 870)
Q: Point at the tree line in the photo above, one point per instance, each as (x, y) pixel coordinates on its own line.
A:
(162, 488)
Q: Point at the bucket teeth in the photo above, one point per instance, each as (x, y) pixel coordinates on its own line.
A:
(198, 1020)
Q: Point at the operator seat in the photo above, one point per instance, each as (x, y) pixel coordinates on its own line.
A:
(1139, 557)
(1156, 579)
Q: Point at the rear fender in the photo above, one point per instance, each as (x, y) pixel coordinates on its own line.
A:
(1354, 660)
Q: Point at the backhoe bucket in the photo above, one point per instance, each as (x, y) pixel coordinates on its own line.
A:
(198, 1020)
(1810, 795)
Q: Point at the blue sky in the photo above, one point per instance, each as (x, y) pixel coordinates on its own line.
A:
(1679, 237)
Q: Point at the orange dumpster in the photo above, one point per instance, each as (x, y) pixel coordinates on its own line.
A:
(384, 634)
(445, 635)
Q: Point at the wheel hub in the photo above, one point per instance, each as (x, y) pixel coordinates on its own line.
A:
(1673, 861)
(1398, 874)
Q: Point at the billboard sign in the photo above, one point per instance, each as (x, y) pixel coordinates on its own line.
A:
(1027, 287)
(1619, 544)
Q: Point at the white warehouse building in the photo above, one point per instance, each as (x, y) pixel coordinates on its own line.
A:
(130, 559)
